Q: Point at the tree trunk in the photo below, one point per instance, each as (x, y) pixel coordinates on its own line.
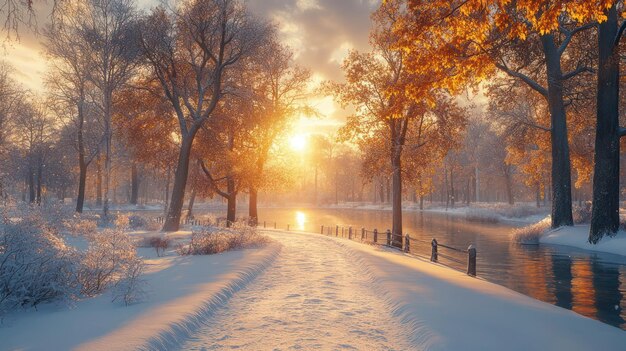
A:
(231, 211)
(82, 179)
(253, 212)
(605, 211)
(134, 184)
(98, 182)
(31, 185)
(561, 167)
(108, 135)
(192, 200)
(396, 206)
(39, 180)
(538, 196)
(172, 222)
(452, 195)
(509, 184)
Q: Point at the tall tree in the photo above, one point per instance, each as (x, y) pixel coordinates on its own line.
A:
(108, 28)
(189, 51)
(69, 86)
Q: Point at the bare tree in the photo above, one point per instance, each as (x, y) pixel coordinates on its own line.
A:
(69, 86)
(189, 50)
(109, 30)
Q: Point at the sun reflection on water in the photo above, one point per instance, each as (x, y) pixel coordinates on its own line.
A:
(300, 219)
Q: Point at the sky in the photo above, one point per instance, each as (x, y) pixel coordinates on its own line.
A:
(320, 33)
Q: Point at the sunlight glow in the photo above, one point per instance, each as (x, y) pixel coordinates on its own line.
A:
(300, 219)
(298, 142)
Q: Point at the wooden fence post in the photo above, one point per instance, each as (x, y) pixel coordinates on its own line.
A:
(388, 237)
(375, 236)
(287, 227)
(433, 253)
(362, 234)
(407, 243)
(350, 233)
(471, 260)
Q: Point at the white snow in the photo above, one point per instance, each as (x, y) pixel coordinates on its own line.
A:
(183, 290)
(309, 292)
(577, 236)
(520, 212)
(313, 300)
(314, 297)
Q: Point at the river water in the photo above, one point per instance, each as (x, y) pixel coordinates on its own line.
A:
(591, 284)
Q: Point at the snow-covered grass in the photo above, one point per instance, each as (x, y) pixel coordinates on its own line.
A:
(531, 234)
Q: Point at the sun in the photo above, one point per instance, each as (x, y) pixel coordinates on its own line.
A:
(298, 142)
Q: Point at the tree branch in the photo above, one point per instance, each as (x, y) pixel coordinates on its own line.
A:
(526, 79)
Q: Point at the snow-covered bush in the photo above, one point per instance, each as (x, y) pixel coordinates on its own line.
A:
(481, 215)
(79, 226)
(106, 261)
(158, 243)
(532, 233)
(130, 288)
(137, 222)
(211, 240)
(153, 226)
(582, 214)
(35, 264)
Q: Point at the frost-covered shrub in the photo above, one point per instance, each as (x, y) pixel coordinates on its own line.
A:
(79, 226)
(481, 215)
(35, 265)
(211, 240)
(108, 257)
(137, 222)
(159, 244)
(532, 233)
(153, 226)
(582, 214)
(130, 287)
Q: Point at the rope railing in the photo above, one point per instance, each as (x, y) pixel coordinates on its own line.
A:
(401, 242)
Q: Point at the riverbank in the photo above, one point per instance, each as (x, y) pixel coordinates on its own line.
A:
(479, 212)
(577, 236)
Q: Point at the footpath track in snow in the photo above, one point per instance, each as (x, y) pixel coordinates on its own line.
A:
(312, 297)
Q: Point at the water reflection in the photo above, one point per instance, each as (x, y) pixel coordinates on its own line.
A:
(591, 284)
(300, 220)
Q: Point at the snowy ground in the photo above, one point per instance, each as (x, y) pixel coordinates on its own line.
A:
(577, 236)
(309, 292)
(313, 298)
(354, 296)
(182, 291)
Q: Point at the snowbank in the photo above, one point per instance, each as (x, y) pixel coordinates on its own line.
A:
(448, 310)
(487, 212)
(577, 236)
(183, 292)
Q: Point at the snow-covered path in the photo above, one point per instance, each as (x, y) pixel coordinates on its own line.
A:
(312, 297)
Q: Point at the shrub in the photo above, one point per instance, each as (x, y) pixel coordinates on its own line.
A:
(35, 265)
(532, 233)
(79, 226)
(213, 240)
(159, 244)
(110, 254)
(130, 288)
(137, 222)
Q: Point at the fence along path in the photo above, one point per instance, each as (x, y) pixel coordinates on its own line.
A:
(397, 241)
